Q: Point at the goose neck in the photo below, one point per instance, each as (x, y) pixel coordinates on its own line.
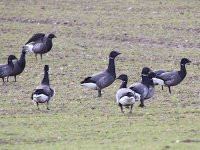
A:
(111, 67)
(45, 79)
(124, 84)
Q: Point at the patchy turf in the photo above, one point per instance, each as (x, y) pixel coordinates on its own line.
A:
(148, 33)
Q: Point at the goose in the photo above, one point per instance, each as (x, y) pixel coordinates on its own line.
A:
(6, 69)
(125, 96)
(19, 65)
(43, 93)
(40, 43)
(104, 78)
(146, 87)
(173, 78)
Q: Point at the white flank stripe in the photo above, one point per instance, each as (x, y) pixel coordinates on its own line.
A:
(125, 100)
(138, 97)
(90, 85)
(41, 98)
(158, 81)
(29, 47)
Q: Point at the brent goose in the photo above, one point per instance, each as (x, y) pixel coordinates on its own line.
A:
(19, 65)
(43, 93)
(6, 69)
(146, 87)
(40, 43)
(174, 77)
(125, 96)
(104, 78)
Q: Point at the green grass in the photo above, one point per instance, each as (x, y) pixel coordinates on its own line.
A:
(148, 33)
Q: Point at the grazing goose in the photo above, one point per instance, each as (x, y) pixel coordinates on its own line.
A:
(174, 77)
(43, 93)
(6, 69)
(102, 79)
(40, 43)
(146, 88)
(19, 65)
(125, 96)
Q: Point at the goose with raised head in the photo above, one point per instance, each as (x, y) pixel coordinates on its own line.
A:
(19, 65)
(6, 69)
(173, 78)
(146, 87)
(125, 96)
(104, 78)
(43, 93)
(40, 43)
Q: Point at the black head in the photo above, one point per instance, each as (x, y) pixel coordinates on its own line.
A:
(11, 57)
(24, 49)
(151, 75)
(145, 70)
(114, 54)
(185, 61)
(46, 68)
(51, 36)
(123, 77)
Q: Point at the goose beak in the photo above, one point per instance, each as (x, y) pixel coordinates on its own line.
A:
(189, 62)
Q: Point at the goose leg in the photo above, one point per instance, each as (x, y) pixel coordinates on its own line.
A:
(41, 56)
(162, 87)
(169, 89)
(7, 78)
(3, 80)
(99, 93)
(131, 108)
(141, 103)
(38, 106)
(48, 105)
(120, 105)
(35, 56)
(15, 79)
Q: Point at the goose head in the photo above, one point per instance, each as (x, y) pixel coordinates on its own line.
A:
(185, 61)
(51, 36)
(114, 54)
(145, 71)
(24, 49)
(11, 58)
(46, 68)
(151, 75)
(123, 77)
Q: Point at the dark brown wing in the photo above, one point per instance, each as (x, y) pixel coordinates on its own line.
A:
(36, 37)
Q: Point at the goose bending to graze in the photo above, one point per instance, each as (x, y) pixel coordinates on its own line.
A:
(6, 69)
(146, 87)
(125, 96)
(102, 79)
(19, 65)
(173, 78)
(40, 43)
(43, 93)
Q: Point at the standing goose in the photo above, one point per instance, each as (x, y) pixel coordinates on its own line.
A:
(43, 93)
(146, 88)
(102, 79)
(19, 65)
(6, 69)
(125, 96)
(173, 78)
(40, 43)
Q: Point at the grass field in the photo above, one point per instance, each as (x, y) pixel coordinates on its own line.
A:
(154, 33)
